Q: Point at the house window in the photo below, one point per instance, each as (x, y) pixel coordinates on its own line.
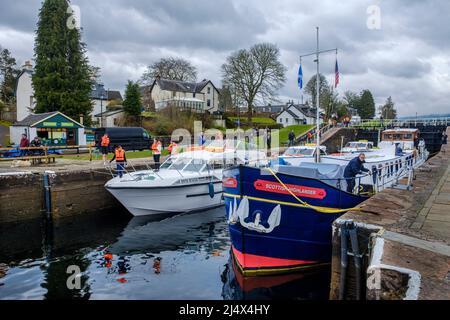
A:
(209, 103)
(209, 90)
(281, 120)
(116, 122)
(287, 120)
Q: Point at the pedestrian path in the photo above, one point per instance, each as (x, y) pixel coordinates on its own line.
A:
(435, 215)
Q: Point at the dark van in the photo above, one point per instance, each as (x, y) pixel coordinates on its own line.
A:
(129, 138)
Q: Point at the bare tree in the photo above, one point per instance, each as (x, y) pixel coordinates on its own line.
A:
(171, 69)
(254, 74)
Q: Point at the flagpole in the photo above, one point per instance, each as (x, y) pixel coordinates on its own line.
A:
(318, 99)
(317, 54)
(301, 89)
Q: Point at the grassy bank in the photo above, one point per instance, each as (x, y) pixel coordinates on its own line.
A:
(129, 154)
(298, 130)
(256, 120)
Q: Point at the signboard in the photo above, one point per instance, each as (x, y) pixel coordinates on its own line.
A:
(300, 191)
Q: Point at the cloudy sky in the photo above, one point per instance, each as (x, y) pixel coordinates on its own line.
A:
(405, 54)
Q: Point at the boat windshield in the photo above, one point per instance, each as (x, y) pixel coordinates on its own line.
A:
(357, 145)
(299, 151)
(184, 164)
(196, 165)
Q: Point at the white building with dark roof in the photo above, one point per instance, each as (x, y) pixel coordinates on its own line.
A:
(100, 98)
(25, 101)
(200, 97)
(297, 114)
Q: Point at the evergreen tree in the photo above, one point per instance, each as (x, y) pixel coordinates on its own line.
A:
(366, 105)
(132, 103)
(8, 76)
(62, 77)
(388, 111)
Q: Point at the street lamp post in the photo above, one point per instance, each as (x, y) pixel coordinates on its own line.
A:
(102, 96)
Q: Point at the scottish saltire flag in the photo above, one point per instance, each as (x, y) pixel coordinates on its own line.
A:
(336, 80)
(300, 77)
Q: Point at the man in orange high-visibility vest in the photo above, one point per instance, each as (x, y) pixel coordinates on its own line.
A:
(121, 160)
(104, 144)
(157, 149)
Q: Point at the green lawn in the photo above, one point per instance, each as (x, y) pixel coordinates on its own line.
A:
(256, 120)
(298, 130)
(5, 123)
(129, 154)
(148, 114)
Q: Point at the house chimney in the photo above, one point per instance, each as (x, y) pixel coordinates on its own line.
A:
(27, 66)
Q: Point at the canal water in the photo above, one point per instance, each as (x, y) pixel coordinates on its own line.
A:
(184, 257)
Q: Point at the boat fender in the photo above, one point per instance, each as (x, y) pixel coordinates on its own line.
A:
(211, 190)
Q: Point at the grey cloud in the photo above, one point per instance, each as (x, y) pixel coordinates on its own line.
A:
(124, 36)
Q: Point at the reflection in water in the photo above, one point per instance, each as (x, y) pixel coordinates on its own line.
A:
(310, 285)
(179, 257)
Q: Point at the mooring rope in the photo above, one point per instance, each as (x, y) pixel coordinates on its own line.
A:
(315, 208)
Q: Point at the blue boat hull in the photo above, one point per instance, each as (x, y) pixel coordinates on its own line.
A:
(301, 237)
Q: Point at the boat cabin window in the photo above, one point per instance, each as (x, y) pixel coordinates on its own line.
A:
(408, 136)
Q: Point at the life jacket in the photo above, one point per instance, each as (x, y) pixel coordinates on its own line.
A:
(156, 147)
(120, 155)
(105, 141)
(173, 147)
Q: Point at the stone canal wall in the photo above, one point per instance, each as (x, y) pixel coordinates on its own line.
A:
(72, 192)
(20, 197)
(403, 241)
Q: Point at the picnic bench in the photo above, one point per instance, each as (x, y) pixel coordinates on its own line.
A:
(49, 158)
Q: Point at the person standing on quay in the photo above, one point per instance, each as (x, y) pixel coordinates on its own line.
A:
(291, 138)
(24, 143)
(105, 147)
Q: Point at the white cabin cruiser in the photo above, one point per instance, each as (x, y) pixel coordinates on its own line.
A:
(186, 182)
(397, 155)
(385, 162)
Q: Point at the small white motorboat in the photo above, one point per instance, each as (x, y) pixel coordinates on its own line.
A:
(186, 182)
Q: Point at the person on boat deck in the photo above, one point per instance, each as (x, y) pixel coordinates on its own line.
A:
(173, 148)
(398, 150)
(104, 143)
(121, 160)
(157, 149)
(354, 167)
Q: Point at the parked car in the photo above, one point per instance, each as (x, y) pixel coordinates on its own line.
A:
(129, 138)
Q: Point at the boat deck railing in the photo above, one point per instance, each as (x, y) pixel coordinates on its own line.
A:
(131, 174)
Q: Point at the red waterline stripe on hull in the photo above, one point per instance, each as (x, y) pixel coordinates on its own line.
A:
(253, 261)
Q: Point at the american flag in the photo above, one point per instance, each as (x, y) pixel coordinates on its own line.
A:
(336, 80)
